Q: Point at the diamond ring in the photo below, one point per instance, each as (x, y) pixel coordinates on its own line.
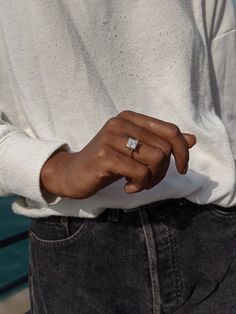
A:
(132, 144)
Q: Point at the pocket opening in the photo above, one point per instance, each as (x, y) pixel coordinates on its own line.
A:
(55, 234)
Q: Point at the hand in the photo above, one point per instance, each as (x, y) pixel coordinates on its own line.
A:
(106, 159)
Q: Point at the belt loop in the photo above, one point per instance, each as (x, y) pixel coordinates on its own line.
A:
(113, 214)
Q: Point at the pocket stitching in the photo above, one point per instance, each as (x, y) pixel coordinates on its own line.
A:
(58, 242)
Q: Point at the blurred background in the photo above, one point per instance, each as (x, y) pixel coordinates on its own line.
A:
(14, 296)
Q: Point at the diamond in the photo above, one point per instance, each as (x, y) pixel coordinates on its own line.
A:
(132, 143)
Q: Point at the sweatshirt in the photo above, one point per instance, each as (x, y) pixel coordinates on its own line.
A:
(68, 66)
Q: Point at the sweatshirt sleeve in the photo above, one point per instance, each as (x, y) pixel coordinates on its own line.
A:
(223, 52)
(22, 154)
(21, 160)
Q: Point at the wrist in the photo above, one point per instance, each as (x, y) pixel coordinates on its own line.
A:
(52, 172)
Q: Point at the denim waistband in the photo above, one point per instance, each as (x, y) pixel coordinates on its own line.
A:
(113, 214)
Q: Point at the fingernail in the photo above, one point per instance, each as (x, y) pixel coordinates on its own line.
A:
(184, 171)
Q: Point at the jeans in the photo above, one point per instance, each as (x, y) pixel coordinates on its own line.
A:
(167, 257)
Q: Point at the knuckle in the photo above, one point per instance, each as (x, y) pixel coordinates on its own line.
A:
(103, 152)
(160, 167)
(158, 155)
(151, 123)
(112, 160)
(134, 129)
(112, 124)
(174, 130)
(124, 114)
(142, 173)
(167, 149)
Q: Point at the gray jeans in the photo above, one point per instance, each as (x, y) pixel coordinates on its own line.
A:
(170, 257)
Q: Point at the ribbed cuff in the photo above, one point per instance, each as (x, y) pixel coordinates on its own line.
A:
(21, 161)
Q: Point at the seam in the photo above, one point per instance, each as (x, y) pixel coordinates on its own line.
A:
(9, 135)
(56, 243)
(172, 246)
(224, 34)
(152, 261)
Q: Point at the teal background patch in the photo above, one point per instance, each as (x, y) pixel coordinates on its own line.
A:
(13, 258)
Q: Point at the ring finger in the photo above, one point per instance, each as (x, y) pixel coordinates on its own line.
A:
(149, 155)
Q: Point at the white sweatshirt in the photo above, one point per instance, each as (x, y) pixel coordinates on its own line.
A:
(68, 66)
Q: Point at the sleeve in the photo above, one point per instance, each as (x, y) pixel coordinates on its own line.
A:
(22, 156)
(21, 161)
(223, 52)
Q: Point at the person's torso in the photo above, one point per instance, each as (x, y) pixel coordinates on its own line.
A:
(71, 65)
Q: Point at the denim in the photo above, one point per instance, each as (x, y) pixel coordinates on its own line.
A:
(167, 257)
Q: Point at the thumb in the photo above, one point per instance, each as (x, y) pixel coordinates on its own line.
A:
(190, 139)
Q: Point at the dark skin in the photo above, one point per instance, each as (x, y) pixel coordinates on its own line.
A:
(106, 159)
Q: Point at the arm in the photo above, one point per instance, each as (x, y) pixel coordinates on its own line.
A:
(21, 160)
(21, 155)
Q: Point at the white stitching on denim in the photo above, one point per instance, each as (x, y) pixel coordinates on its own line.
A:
(57, 242)
(147, 230)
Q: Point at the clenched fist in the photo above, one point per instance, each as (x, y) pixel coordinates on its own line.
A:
(106, 159)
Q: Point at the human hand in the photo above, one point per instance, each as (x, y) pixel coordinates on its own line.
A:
(106, 159)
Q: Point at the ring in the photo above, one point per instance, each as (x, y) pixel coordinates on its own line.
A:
(132, 144)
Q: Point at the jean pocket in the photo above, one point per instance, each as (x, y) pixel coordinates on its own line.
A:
(56, 233)
(223, 212)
